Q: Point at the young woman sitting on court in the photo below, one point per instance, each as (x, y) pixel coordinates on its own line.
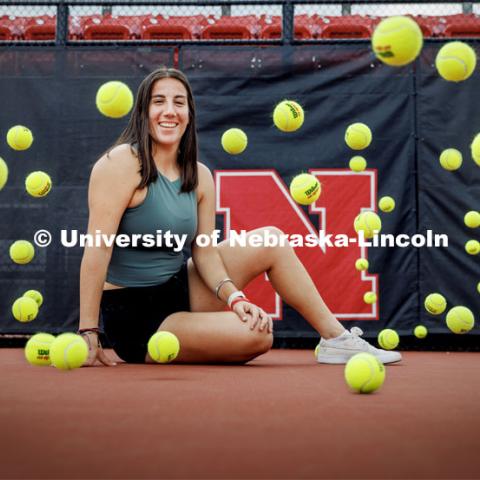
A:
(149, 181)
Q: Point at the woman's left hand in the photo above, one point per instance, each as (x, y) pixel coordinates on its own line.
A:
(256, 316)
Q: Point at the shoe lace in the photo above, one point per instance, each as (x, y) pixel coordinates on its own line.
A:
(356, 333)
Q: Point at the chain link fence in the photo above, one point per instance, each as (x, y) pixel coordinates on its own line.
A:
(226, 22)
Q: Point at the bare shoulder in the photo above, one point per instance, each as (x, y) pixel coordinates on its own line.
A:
(113, 182)
(203, 171)
(205, 180)
(120, 162)
(122, 157)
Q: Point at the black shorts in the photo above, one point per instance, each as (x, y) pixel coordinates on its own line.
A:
(132, 315)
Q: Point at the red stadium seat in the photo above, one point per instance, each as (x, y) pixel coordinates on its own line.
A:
(166, 32)
(266, 20)
(351, 26)
(12, 26)
(159, 28)
(426, 24)
(345, 30)
(105, 27)
(431, 26)
(274, 32)
(226, 32)
(271, 27)
(194, 23)
(134, 23)
(106, 32)
(40, 28)
(467, 25)
(5, 34)
(306, 27)
(243, 27)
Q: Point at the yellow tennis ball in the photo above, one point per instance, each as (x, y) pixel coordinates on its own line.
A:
(475, 148)
(478, 287)
(22, 252)
(456, 61)
(397, 41)
(38, 184)
(472, 247)
(388, 339)
(472, 219)
(364, 373)
(25, 309)
(358, 136)
(305, 189)
(68, 351)
(367, 222)
(163, 347)
(435, 303)
(357, 164)
(370, 297)
(316, 350)
(3, 173)
(386, 204)
(234, 141)
(37, 349)
(460, 319)
(420, 331)
(451, 159)
(19, 137)
(114, 99)
(288, 116)
(361, 264)
(35, 295)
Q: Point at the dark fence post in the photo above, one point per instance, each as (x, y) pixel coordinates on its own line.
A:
(346, 8)
(62, 24)
(226, 10)
(288, 19)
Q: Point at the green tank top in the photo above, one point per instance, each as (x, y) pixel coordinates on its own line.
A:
(164, 209)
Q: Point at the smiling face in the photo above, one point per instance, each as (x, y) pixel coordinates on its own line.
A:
(168, 113)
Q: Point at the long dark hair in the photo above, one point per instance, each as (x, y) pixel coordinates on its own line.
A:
(137, 133)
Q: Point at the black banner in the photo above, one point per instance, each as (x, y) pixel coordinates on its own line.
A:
(412, 112)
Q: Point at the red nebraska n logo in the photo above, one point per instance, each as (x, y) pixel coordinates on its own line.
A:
(251, 199)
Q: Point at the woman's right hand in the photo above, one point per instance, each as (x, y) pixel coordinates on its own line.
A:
(95, 351)
(258, 317)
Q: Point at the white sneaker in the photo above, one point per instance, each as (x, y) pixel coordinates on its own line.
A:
(339, 350)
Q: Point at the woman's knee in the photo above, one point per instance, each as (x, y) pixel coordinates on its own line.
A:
(275, 237)
(256, 343)
(273, 231)
(267, 342)
(174, 323)
(275, 243)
